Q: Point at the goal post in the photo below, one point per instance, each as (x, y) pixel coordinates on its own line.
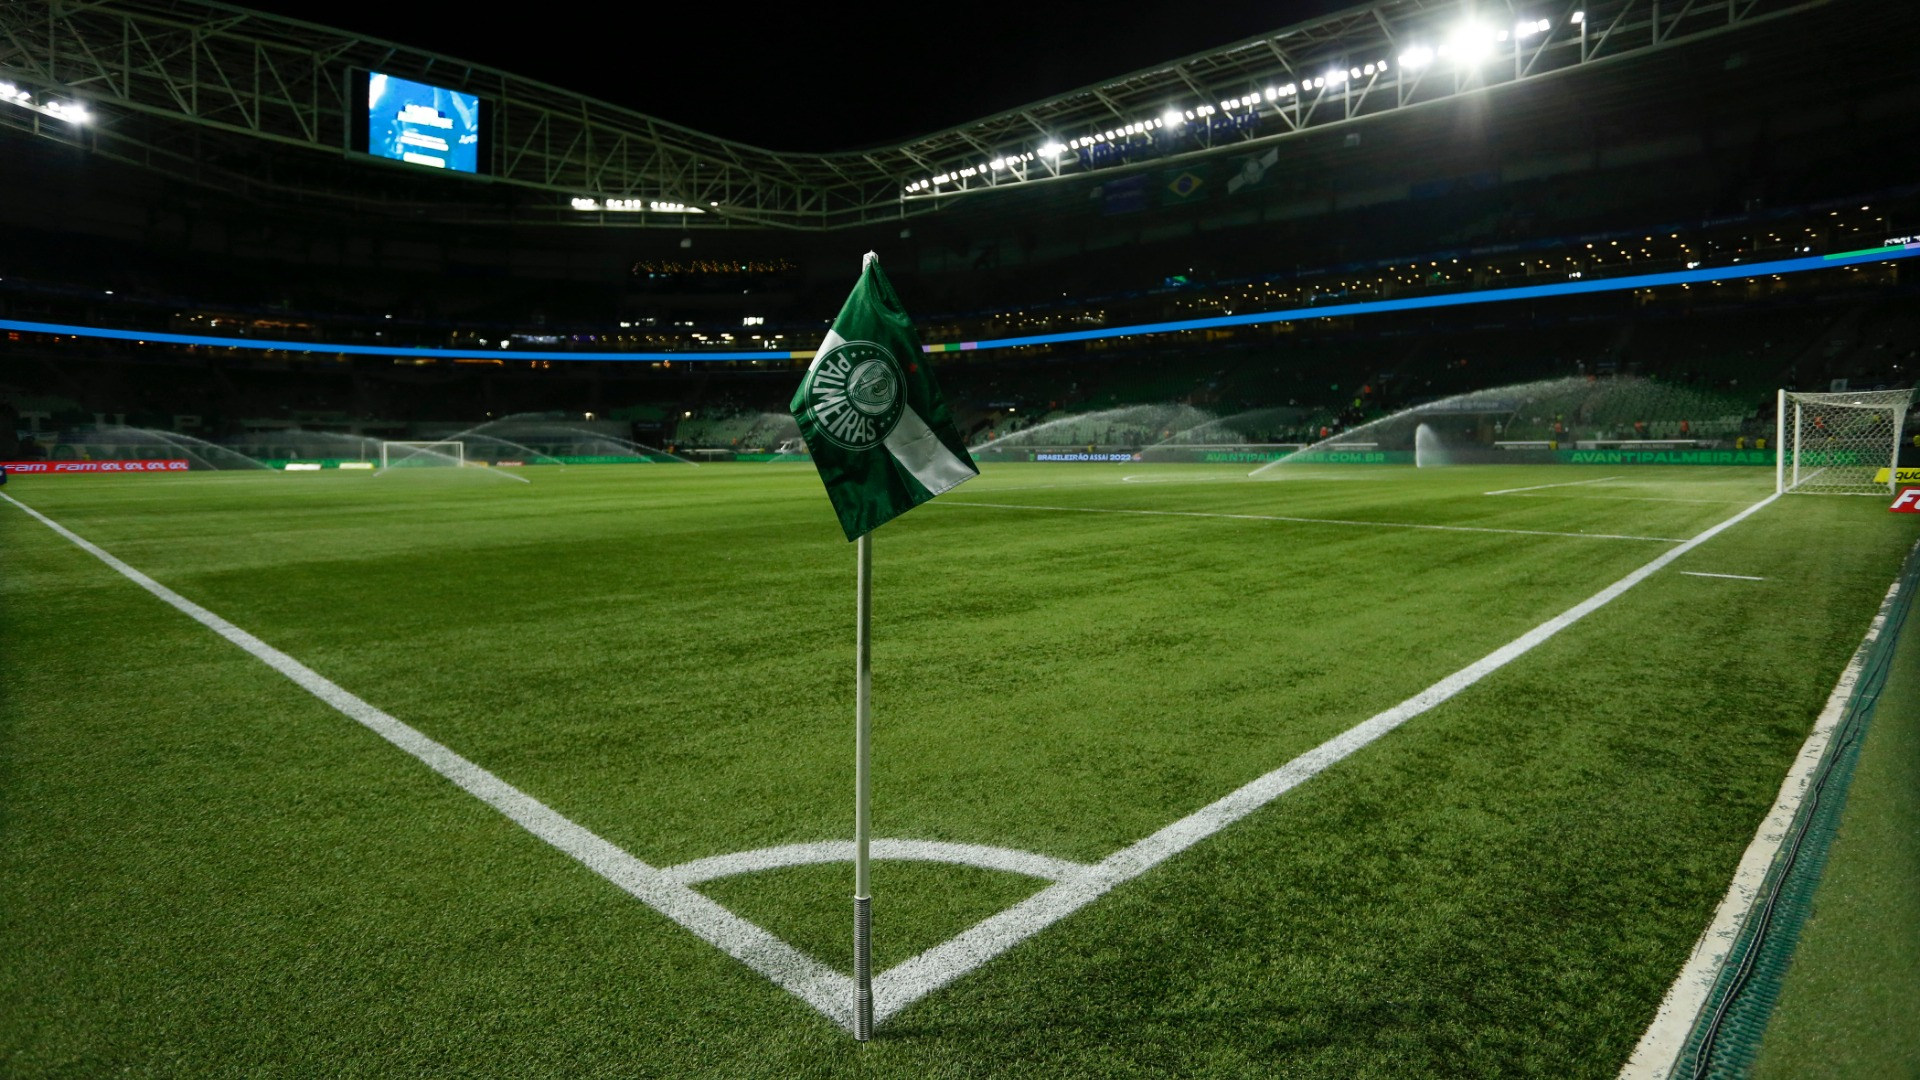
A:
(411, 455)
(1839, 444)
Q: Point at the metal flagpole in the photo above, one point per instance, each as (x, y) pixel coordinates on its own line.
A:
(862, 741)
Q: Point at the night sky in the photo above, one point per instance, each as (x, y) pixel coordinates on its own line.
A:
(809, 76)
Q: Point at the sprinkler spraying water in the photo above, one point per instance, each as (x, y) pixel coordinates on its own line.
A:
(1428, 450)
(598, 440)
(1127, 425)
(205, 454)
(1503, 423)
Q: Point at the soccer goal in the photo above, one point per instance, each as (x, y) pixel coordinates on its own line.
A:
(411, 455)
(1840, 444)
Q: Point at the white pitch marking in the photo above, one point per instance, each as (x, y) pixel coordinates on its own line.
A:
(1736, 577)
(831, 851)
(1142, 478)
(828, 991)
(1543, 487)
(1308, 521)
(1628, 498)
(502, 472)
(1666, 1037)
(912, 980)
(792, 970)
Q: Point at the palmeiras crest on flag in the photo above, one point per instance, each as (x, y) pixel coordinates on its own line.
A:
(855, 394)
(879, 432)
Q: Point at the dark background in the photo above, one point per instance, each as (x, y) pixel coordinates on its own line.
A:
(809, 76)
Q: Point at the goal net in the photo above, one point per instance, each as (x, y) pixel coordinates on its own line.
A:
(1840, 444)
(413, 455)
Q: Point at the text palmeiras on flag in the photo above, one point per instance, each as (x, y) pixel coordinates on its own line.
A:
(871, 415)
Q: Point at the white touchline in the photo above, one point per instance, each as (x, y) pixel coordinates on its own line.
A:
(1307, 521)
(1543, 487)
(831, 993)
(1660, 1048)
(803, 976)
(914, 979)
(1736, 577)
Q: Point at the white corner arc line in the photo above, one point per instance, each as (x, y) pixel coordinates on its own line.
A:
(806, 978)
(1543, 487)
(914, 979)
(1735, 577)
(1666, 1037)
(828, 991)
(979, 856)
(1307, 521)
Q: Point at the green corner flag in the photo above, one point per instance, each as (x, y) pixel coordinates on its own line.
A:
(871, 415)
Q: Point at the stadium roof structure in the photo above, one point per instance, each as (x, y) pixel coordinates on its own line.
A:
(217, 95)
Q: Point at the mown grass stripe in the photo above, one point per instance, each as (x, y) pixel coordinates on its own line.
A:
(901, 986)
(1309, 521)
(794, 971)
(1673, 1027)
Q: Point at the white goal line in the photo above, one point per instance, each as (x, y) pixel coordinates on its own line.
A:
(826, 990)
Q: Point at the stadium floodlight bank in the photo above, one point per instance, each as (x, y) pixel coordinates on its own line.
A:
(415, 455)
(1840, 444)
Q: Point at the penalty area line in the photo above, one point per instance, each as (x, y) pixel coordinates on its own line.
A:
(1735, 577)
(1543, 487)
(799, 974)
(914, 979)
(1308, 521)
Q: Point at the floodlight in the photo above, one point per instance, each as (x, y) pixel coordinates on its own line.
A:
(1052, 149)
(1173, 118)
(1469, 44)
(1417, 57)
(1579, 17)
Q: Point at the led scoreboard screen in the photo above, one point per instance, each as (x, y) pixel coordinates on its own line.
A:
(423, 125)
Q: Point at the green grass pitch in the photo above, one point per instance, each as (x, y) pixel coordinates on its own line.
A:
(205, 870)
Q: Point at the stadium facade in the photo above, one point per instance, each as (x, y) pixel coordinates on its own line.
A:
(193, 169)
